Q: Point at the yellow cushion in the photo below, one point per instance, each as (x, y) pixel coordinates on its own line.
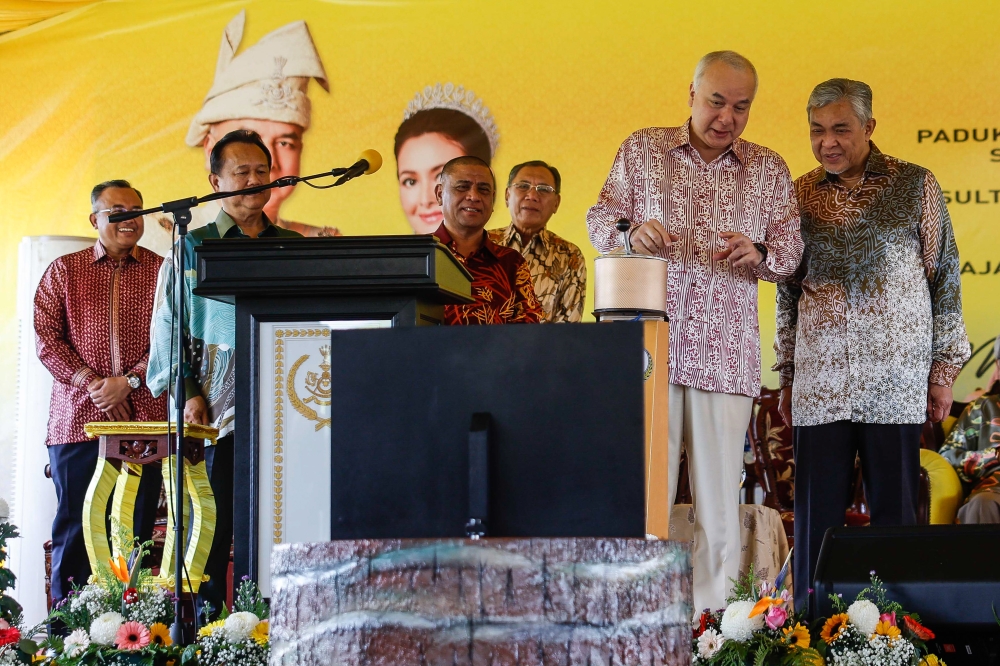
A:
(945, 487)
(948, 423)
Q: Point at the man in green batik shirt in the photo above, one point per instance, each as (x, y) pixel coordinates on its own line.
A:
(239, 160)
(971, 448)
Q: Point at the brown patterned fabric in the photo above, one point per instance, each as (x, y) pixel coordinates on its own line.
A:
(558, 271)
(657, 174)
(875, 309)
(501, 286)
(92, 319)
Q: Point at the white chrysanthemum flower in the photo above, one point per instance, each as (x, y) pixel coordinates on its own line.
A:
(239, 626)
(864, 615)
(76, 643)
(737, 625)
(104, 628)
(709, 643)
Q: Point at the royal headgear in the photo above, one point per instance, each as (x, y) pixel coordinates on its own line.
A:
(268, 81)
(457, 99)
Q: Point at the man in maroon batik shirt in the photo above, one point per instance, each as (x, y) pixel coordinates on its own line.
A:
(501, 281)
(92, 315)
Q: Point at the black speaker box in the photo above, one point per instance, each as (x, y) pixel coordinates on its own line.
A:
(948, 574)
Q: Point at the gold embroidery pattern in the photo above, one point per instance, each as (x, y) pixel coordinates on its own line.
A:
(280, 335)
(318, 385)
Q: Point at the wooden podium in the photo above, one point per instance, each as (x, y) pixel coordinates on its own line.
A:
(296, 289)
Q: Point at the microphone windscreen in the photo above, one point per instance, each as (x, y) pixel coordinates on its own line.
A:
(374, 161)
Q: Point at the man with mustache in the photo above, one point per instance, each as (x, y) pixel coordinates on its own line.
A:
(870, 335)
(558, 269)
(501, 283)
(722, 212)
(92, 314)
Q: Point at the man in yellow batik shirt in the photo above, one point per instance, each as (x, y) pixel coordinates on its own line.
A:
(558, 269)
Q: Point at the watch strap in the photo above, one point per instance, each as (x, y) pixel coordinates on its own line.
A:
(762, 249)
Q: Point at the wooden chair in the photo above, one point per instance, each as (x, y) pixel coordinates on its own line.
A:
(773, 466)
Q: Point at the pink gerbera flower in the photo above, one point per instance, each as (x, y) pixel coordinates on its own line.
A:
(132, 636)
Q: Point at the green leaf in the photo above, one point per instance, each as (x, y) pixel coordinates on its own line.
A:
(27, 646)
(189, 655)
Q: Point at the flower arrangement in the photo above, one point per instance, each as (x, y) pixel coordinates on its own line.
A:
(874, 631)
(10, 610)
(238, 637)
(121, 616)
(758, 626)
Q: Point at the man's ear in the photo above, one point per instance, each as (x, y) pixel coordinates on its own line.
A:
(438, 190)
(208, 144)
(558, 201)
(691, 95)
(870, 128)
(93, 220)
(213, 180)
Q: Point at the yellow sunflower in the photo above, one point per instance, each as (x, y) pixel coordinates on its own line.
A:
(932, 660)
(159, 634)
(261, 633)
(886, 629)
(834, 627)
(797, 636)
(208, 629)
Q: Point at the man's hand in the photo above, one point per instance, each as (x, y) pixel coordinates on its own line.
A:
(109, 391)
(652, 238)
(739, 250)
(120, 412)
(785, 405)
(938, 402)
(196, 411)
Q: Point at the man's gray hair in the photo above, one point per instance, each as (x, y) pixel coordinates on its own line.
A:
(858, 93)
(731, 58)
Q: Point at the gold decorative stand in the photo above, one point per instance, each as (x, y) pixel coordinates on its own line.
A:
(124, 450)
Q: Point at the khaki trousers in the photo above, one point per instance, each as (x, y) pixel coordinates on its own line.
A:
(711, 427)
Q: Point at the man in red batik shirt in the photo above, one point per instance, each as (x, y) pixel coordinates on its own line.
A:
(92, 315)
(501, 282)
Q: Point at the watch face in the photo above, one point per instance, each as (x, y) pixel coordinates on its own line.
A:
(133, 381)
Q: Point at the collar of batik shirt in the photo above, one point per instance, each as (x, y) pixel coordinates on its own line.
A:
(682, 138)
(101, 253)
(511, 234)
(876, 165)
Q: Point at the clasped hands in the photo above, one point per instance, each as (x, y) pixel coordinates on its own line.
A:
(652, 238)
(110, 395)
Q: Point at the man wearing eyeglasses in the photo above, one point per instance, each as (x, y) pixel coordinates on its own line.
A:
(558, 270)
(92, 314)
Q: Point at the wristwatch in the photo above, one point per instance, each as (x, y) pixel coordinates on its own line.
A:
(133, 380)
(763, 251)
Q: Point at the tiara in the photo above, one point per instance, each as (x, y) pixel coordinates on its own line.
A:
(458, 99)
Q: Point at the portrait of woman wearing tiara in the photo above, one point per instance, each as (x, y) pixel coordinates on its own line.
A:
(439, 124)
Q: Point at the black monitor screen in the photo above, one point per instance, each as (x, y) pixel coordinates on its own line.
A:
(566, 450)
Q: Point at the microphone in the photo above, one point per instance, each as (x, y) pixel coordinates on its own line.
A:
(369, 162)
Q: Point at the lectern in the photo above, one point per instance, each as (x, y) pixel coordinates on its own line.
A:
(288, 294)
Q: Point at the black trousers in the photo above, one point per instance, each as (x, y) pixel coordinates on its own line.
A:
(219, 465)
(72, 467)
(824, 477)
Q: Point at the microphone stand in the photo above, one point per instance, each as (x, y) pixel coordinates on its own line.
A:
(181, 211)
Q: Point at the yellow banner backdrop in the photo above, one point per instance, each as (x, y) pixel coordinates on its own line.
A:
(109, 90)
